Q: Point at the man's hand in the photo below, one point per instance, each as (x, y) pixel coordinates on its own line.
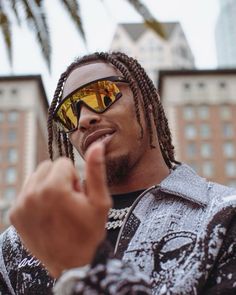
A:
(60, 222)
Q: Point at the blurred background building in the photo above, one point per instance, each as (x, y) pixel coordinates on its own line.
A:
(23, 134)
(201, 108)
(152, 51)
(225, 34)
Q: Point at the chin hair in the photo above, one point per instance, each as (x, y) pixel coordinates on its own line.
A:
(117, 169)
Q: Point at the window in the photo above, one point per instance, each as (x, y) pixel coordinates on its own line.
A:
(183, 52)
(13, 116)
(225, 112)
(9, 194)
(1, 117)
(11, 175)
(229, 149)
(208, 169)
(187, 86)
(191, 150)
(14, 91)
(227, 129)
(230, 169)
(201, 85)
(188, 113)
(206, 150)
(222, 85)
(190, 131)
(12, 155)
(205, 131)
(12, 136)
(203, 112)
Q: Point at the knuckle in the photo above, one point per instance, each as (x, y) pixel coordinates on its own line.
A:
(52, 189)
(44, 165)
(28, 199)
(63, 162)
(47, 191)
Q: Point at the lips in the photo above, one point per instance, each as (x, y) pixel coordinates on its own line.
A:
(95, 136)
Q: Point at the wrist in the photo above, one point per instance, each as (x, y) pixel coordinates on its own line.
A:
(57, 268)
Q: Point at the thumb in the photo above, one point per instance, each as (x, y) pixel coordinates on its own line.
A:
(95, 172)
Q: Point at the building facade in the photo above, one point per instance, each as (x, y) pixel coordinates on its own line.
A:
(201, 108)
(225, 34)
(23, 135)
(151, 50)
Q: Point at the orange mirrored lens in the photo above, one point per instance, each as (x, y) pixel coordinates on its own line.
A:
(97, 96)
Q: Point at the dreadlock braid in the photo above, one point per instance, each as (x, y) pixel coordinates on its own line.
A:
(59, 142)
(163, 129)
(65, 143)
(51, 109)
(142, 88)
(160, 120)
(71, 153)
(122, 67)
(55, 101)
(133, 66)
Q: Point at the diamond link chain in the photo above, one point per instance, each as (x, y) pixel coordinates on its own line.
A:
(118, 216)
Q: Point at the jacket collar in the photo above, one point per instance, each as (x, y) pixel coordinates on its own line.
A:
(184, 182)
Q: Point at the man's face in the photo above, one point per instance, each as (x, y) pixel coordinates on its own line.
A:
(117, 127)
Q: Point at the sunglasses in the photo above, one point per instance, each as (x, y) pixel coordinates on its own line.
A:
(97, 95)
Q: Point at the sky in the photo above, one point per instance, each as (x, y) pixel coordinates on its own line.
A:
(100, 17)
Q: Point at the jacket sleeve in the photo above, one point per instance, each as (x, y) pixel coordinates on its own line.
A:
(222, 279)
(3, 286)
(8, 256)
(106, 275)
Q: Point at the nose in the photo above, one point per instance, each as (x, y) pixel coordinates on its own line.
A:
(87, 118)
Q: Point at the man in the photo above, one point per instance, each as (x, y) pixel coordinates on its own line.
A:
(172, 232)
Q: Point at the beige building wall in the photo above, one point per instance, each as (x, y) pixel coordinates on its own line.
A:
(23, 135)
(201, 108)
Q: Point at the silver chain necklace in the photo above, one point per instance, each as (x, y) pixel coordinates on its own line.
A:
(116, 217)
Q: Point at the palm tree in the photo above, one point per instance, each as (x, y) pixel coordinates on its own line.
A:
(33, 11)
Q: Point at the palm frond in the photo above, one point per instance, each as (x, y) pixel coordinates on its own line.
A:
(149, 19)
(5, 26)
(35, 16)
(73, 9)
(38, 2)
(13, 5)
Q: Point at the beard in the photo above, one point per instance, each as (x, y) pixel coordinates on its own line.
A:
(117, 169)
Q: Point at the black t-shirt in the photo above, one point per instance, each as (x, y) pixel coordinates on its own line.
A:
(119, 202)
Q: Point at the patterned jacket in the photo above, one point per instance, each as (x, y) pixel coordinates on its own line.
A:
(179, 238)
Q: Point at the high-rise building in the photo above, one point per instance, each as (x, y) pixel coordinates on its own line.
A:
(23, 134)
(225, 34)
(151, 50)
(201, 108)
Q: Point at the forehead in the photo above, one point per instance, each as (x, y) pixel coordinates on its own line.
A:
(87, 73)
